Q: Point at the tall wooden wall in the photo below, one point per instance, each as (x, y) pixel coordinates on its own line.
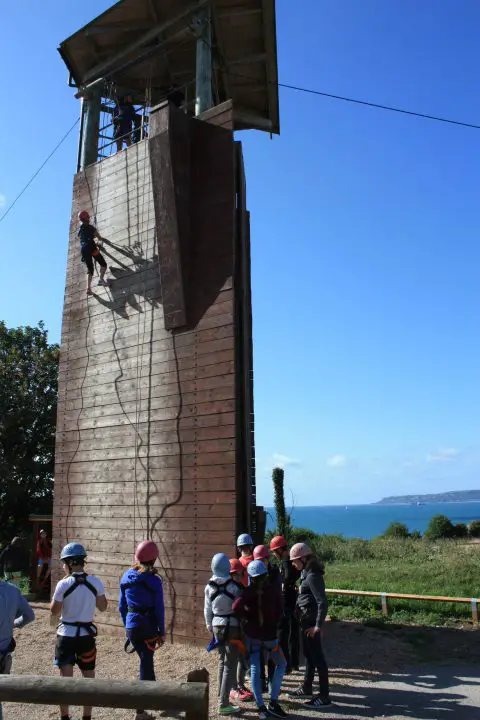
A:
(155, 416)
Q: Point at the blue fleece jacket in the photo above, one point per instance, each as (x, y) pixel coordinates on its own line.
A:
(142, 590)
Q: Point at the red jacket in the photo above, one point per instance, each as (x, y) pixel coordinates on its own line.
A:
(271, 611)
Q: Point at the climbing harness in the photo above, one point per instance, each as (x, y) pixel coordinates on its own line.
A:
(81, 581)
(153, 643)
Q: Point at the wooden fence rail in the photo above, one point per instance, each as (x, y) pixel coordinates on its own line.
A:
(190, 697)
(385, 596)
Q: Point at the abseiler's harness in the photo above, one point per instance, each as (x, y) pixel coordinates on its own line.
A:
(223, 630)
(81, 581)
(153, 643)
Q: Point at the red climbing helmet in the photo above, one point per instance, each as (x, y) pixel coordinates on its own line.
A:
(83, 215)
(146, 552)
(261, 552)
(278, 543)
(236, 566)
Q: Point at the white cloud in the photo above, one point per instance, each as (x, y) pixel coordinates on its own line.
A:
(283, 461)
(443, 455)
(3, 200)
(337, 461)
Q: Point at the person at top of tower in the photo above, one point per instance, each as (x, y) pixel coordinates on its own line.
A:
(76, 597)
(142, 610)
(87, 234)
(125, 118)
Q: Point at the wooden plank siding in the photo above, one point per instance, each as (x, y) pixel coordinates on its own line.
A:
(154, 435)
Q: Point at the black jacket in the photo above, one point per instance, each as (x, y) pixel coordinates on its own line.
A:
(312, 603)
(14, 558)
(290, 577)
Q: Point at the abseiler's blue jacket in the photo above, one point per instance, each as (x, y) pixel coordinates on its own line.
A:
(144, 591)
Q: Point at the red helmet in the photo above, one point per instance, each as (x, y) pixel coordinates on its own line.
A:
(278, 543)
(236, 566)
(261, 552)
(83, 215)
(146, 552)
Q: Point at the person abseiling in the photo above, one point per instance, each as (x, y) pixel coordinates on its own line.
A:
(245, 548)
(76, 597)
(143, 612)
(87, 234)
(288, 628)
(312, 606)
(220, 593)
(260, 608)
(15, 614)
(240, 693)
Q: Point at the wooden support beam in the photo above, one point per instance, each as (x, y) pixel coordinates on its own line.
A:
(109, 66)
(189, 697)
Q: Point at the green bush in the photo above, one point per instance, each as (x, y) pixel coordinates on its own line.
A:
(416, 535)
(460, 530)
(440, 528)
(396, 530)
(474, 529)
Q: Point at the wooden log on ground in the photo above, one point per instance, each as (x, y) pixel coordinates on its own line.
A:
(189, 697)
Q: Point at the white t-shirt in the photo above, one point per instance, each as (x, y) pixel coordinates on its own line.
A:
(79, 606)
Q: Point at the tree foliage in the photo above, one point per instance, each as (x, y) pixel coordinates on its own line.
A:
(283, 519)
(28, 407)
(474, 529)
(396, 530)
(439, 528)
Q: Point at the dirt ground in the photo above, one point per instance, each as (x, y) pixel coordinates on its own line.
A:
(363, 662)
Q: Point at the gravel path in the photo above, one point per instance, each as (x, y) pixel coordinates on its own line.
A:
(374, 673)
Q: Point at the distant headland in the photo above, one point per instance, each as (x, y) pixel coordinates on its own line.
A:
(454, 496)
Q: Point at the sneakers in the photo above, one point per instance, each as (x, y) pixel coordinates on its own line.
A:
(104, 283)
(263, 713)
(274, 708)
(318, 701)
(229, 710)
(300, 694)
(241, 695)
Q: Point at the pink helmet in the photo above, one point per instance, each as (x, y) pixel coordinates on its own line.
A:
(261, 552)
(299, 550)
(83, 215)
(146, 552)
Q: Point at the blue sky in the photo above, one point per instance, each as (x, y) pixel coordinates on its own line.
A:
(365, 238)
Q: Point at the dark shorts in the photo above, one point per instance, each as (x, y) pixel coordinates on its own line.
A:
(81, 651)
(88, 260)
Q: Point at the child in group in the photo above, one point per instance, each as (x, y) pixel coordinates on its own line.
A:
(142, 609)
(89, 249)
(260, 606)
(220, 593)
(245, 548)
(240, 691)
(76, 597)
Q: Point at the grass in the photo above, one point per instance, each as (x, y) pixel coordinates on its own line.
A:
(418, 567)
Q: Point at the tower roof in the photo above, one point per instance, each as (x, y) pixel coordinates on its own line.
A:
(149, 43)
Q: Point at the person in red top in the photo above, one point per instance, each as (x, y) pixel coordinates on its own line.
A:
(240, 691)
(44, 558)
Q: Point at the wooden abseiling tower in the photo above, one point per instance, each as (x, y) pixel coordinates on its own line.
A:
(155, 419)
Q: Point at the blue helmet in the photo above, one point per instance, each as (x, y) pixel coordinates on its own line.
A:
(73, 550)
(221, 566)
(256, 568)
(244, 539)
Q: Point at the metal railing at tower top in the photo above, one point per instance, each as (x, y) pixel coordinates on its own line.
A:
(110, 140)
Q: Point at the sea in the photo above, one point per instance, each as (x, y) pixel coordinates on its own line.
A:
(368, 521)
